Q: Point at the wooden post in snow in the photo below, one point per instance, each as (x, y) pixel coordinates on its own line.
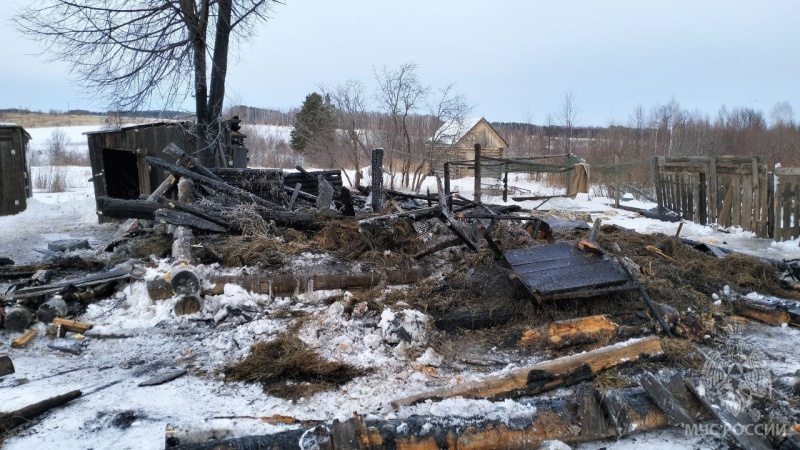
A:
(447, 186)
(377, 180)
(477, 173)
(616, 181)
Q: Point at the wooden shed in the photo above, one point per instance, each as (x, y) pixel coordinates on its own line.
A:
(457, 139)
(15, 177)
(119, 169)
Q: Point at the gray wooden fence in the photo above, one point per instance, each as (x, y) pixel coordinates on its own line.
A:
(787, 203)
(726, 190)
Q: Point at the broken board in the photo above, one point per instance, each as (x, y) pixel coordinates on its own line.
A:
(550, 270)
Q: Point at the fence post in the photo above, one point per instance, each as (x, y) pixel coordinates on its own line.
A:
(616, 181)
(477, 173)
(505, 184)
(447, 186)
(657, 183)
(377, 180)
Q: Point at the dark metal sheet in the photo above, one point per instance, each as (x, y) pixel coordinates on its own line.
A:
(560, 250)
(551, 281)
(562, 267)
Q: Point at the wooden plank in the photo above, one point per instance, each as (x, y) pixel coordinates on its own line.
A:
(778, 210)
(703, 199)
(163, 378)
(725, 209)
(694, 192)
(786, 210)
(795, 209)
(713, 190)
(25, 339)
(657, 181)
(755, 224)
(736, 214)
(747, 202)
(787, 171)
(770, 206)
(72, 325)
(764, 193)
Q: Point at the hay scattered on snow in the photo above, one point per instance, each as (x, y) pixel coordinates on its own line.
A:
(288, 368)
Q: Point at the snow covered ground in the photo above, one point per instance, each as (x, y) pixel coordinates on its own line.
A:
(115, 413)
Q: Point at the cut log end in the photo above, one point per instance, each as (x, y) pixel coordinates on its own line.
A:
(185, 281)
(188, 304)
(18, 319)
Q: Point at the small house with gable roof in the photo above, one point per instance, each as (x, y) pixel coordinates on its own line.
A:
(457, 138)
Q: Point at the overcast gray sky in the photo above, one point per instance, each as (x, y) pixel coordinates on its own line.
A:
(513, 59)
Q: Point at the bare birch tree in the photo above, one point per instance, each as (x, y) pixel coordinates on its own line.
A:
(568, 115)
(142, 52)
(447, 107)
(399, 95)
(350, 107)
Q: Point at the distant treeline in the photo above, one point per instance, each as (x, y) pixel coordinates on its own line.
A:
(153, 114)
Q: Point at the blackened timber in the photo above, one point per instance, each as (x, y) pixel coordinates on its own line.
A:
(737, 424)
(224, 188)
(662, 397)
(347, 202)
(182, 218)
(474, 319)
(24, 415)
(6, 366)
(265, 183)
(438, 247)
(447, 217)
(126, 209)
(90, 280)
(190, 162)
(308, 180)
(203, 213)
(631, 408)
(645, 296)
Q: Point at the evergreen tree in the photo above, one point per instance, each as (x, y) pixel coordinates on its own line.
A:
(314, 124)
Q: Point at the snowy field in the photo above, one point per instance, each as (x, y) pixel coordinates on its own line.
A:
(116, 414)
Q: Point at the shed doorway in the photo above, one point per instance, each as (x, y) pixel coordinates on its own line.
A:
(121, 173)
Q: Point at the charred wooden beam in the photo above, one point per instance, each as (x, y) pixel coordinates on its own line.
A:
(548, 375)
(645, 296)
(188, 220)
(286, 285)
(224, 188)
(195, 210)
(91, 280)
(12, 419)
(570, 420)
(438, 247)
(126, 209)
(771, 313)
(662, 396)
(735, 424)
(631, 410)
(189, 162)
(471, 319)
(601, 329)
